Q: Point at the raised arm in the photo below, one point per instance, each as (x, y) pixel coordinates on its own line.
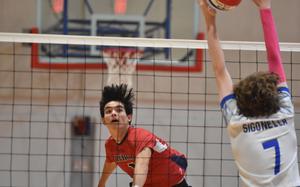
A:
(223, 78)
(271, 38)
(108, 168)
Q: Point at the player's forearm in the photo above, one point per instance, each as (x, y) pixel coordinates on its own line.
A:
(140, 179)
(141, 172)
(223, 78)
(272, 43)
(106, 172)
(103, 180)
(141, 167)
(215, 50)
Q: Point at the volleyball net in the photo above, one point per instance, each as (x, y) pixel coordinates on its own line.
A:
(50, 128)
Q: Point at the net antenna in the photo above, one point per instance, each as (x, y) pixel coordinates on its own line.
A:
(121, 65)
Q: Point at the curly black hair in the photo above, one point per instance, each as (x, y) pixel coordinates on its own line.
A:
(257, 94)
(119, 93)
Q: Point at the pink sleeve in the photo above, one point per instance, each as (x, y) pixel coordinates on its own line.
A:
(272, 44)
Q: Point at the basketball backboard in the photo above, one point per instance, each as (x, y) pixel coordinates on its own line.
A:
(97, 18)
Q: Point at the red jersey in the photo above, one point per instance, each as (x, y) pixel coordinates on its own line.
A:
(166, 167)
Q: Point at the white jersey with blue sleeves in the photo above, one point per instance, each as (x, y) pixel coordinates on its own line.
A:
(264, 149)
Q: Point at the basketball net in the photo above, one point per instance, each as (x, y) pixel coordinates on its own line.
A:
(121, 65)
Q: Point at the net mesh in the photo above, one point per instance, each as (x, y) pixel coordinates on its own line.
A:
(39, 146)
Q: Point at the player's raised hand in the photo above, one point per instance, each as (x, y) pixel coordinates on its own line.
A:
(207, 11)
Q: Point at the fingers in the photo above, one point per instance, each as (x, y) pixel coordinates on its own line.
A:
(207, 10)
(201, 3)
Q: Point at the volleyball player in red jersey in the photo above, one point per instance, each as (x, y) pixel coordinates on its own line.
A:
(146, 158)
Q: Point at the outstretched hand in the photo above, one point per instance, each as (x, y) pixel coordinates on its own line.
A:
(262, 4)
(208, 12)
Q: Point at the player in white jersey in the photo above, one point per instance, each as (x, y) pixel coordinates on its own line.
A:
(258, 111)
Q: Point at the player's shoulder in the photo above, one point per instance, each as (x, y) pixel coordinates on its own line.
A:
(230, 98)
(138, 131)
(109, 141)
(283, 87)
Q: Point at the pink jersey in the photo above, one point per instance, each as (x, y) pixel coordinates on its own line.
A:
(166, 167)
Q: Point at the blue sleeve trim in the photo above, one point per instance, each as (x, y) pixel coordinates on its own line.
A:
(226, 98)
(283, 89)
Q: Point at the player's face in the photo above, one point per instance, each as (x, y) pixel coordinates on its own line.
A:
(115, 114)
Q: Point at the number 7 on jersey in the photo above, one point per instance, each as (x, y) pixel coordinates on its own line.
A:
(274, 143)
